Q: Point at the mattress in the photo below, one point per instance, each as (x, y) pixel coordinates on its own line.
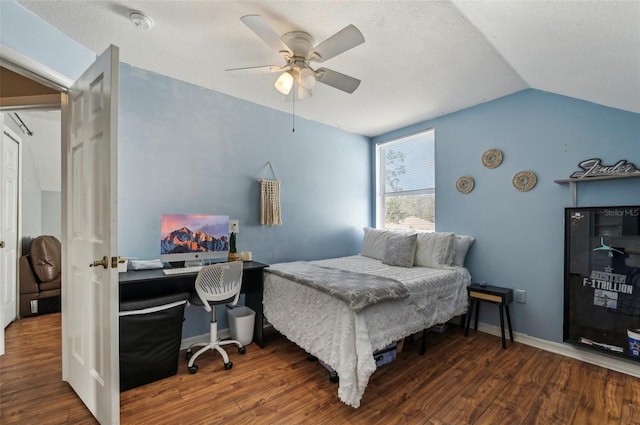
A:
(326, 328)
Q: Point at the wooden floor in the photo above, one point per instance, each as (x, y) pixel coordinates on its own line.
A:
(458, 381)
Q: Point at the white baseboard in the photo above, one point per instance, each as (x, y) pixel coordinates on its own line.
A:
(628, 367)
(204, 338)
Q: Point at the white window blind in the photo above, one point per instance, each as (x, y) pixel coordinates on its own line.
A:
(406, 183)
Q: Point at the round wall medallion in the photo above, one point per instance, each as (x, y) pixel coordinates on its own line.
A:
(464, 184)
(492, 158)
(524, 181)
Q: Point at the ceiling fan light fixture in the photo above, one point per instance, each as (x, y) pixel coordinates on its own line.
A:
(298, 93)
(303, 92)
(297, 49)
(284, 82)
(307, 78)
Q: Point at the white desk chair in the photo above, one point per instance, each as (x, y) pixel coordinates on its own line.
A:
(216, 284)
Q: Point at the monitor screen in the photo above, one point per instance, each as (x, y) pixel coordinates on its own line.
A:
(193, 237)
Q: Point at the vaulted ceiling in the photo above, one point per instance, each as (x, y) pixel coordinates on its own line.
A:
(421, 59)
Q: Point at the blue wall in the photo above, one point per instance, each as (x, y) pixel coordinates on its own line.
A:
(186, 149)
(519, 235)
(36, 39)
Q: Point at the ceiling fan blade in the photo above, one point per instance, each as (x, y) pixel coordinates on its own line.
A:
(337, 80)
(265, 32)
(258, 69)
(345, 39)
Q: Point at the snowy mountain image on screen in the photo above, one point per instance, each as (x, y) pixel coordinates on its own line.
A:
(185, 240)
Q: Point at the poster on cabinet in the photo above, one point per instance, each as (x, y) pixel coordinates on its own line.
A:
(602, 278)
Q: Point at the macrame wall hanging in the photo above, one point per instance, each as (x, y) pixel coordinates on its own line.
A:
(270, 199)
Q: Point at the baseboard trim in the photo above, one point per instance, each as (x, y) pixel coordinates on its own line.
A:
(619, 365)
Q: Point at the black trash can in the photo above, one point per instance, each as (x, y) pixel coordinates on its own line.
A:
(150, 336)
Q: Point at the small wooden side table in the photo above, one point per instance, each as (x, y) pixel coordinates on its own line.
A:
(493, 294)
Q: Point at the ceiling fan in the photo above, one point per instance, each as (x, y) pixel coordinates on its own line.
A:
(297, 49)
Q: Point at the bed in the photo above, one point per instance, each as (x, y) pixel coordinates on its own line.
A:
(342, 327)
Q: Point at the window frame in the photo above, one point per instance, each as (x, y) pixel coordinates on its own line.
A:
(380, 176)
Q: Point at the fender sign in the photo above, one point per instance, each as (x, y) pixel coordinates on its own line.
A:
(594, 168)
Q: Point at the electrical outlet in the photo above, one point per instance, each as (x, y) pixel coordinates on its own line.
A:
(521, 296)
(234, 226)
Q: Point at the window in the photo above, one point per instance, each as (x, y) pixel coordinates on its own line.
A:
(405, 183)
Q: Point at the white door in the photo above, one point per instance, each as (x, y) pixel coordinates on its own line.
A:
(9, 179)
(89, 230)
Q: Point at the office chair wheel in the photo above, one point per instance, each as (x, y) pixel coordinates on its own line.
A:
(242, 350)
(193, 369)
(189, 355)
(333, 377)
(228, 366)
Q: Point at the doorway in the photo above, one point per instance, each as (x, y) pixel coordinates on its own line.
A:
(90, 139)
(10, 148)
(31, 111)
(40, 189)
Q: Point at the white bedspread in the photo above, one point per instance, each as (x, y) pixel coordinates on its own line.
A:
(326, 328)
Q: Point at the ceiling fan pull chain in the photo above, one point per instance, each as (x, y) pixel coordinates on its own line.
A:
(293, 115)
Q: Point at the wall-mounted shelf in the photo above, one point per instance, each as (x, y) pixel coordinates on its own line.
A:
(574, 188)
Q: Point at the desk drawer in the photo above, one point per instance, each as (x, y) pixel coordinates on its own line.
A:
(483, 296)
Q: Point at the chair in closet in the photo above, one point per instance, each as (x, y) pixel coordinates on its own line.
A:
(40, 277)
(216, 284)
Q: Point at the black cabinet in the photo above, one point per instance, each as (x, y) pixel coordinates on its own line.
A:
(602, 279)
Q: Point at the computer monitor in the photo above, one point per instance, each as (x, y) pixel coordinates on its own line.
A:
(192, 238)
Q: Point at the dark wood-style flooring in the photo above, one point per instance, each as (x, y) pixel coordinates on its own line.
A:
(458, 381)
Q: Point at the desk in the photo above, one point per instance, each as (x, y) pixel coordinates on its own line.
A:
(493, 294)
(142, 284)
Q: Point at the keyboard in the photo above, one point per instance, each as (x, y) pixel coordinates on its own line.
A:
(182, 270)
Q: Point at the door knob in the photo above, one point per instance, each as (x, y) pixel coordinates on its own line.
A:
(104, 262)
(1, 244)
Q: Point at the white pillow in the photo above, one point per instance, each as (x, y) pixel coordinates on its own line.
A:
(435, 249)
(374, 243)
(462, 245)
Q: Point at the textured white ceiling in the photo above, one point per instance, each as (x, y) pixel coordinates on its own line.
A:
(421, 59)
